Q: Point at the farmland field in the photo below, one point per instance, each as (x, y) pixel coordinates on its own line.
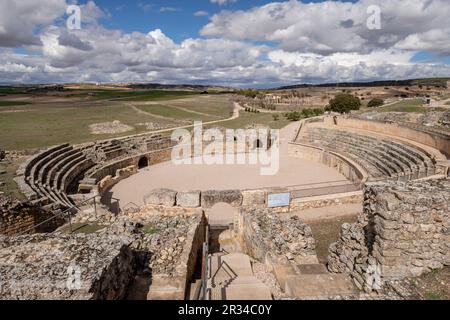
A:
(42, 122)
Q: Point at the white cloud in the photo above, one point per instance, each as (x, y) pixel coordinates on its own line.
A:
(222, 2)
(168, 9)
(329, 27)
(201, 14)
(20, 19)
(318, 42)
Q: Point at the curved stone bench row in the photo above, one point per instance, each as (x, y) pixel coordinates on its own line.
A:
(50, 172)
(381, 157)
(51, 175)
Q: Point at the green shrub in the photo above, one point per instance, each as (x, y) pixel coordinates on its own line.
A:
(344, 103)
(374, 103)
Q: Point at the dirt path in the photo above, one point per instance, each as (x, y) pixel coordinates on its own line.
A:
(194, 112)
(139, 111)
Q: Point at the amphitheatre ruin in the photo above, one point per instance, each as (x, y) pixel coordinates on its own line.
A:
(115, 218)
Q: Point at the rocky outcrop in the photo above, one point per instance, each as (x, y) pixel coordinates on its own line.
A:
(63, 267)
(164, 197)
(403, 232)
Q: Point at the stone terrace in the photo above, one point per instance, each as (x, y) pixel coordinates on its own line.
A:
(382, 158)
(53, 174)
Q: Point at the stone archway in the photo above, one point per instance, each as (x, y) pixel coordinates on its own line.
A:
(259, 144)
(222, 214)
(143, 163)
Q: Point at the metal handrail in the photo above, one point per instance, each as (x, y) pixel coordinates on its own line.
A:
(201, 292)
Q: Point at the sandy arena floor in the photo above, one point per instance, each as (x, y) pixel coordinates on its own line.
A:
(292, 172)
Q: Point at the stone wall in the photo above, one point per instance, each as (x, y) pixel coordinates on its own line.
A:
(167, 244)
(63, 267)
(327, 201)
(17, 217)
(346, 167)
(403, 232)
(274, 239)
(193, 199)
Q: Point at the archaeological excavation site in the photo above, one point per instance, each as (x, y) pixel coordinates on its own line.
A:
(358, 211)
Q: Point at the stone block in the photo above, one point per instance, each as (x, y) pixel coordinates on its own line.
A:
(190, 199)
(164, 197)
(253, 198)
(212, 197)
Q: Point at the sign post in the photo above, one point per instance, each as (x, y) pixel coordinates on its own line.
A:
(279, 200)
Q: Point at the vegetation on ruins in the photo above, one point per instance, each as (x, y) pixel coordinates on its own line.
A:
(344, 103)
(376, 102)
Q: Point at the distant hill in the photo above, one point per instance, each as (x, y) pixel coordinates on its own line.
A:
(148, 86)
(432, 82)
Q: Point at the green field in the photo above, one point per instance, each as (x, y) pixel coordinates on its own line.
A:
(415, 105)
(148, 95)
(13, 103)
(265, 119)
(191, 109)
(52, 123)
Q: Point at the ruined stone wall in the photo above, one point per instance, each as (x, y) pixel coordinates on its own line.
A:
(327, 201)
(271, 238)
(167, 243)
(65, 267)
(404, 231)
(18, 217)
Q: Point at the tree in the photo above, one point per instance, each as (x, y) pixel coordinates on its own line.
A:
(294, 116)
(376, 102)
(344, 103)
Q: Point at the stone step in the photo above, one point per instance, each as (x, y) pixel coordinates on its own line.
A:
(216, 294)
(312, 269)
(320, 286)
(245, 280)
(239, 263)
(246, 292)
(282, 272)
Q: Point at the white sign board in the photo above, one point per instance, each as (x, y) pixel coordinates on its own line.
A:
(279, 200)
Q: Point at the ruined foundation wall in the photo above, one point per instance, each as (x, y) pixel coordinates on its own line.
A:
(18, 217)
(403, 232)
(65, 267)
(271, 238)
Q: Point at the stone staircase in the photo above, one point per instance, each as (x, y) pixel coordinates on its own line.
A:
(312, 281)
(232, 278)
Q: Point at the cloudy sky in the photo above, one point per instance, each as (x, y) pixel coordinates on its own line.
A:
(246, 43)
